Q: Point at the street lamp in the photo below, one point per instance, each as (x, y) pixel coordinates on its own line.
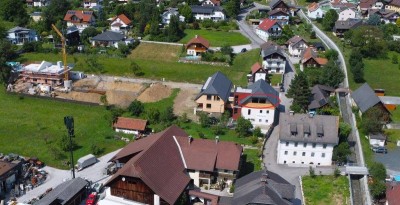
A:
(69, 123)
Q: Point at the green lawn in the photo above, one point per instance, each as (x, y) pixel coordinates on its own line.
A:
(216, 38)
(326, 190)
(275, 79)
(159, 68)
(32, 127)
(251, 162)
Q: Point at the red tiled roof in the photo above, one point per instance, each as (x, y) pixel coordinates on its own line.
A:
(393, 194)
(309, 53)
(130, 123)
(200, 40)
(267, 24)
(123, 18)
(321, 61)
(313, 6)
(255, 67)
(216, 2)
(213, 198)
(84, 16)
(366, 4)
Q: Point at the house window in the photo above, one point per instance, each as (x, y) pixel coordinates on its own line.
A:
(295, 144)
(287, 144)
(267, 111)
(284, 162)
(260, 111)
(235, 111)
(208, 105)
(293, 162)
(266, 121)
(305, 144)
(314, 145)
(312, 154)
(294, 153)
(303, 154)
(286, 152)
(259, 120)
(208, 97)
(323, 155)
(324, 146)
(248, 112)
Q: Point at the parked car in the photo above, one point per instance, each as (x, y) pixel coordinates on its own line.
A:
(379, 150)
(92, 198)
(243, 50)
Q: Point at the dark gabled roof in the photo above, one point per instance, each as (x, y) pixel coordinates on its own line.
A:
(63, 192)
(295, 40)
(274, 3)
(217, 84)
(378, 136)
(261, 89)
(109, 36)
(277, 11)
(365, 97)
(19, 29)
(347, 24)
(269, 49)
(5, 167)
(205, 9)
(268, 44)
(327, 124)
(250, 189)
(320, 96)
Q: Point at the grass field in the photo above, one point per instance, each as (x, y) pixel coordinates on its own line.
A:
(159, 68)
(151, 51)
(275, 79)
(32, 126)
(326, 190)
(216, 38)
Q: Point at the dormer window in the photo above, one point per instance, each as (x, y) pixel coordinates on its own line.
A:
(306, 129)
(320, 130)
(293, 129)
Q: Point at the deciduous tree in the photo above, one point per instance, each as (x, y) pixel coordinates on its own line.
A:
(136, 108)
(243, 127)
(332, 75)
(14, 11)
(54, 12)
(329, 20)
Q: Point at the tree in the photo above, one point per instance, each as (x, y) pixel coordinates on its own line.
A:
(232, 8)
(373, 120)
(186, 12)
(340, 152)
(313, 35)
(332, 75)
(329, 20)
(14, 11)
(136, 107)
(173, 30)
(357, 65)
(374, 20)
(344, 131)
(378, 189)
(153, 115)
(332, 55)
(300, 92)
(204, 119)
(167, 116)
(87, 33)
(123, 49)
(243, 126)
(65, 144)
(7, 53)
(93, 65)
(227, 50)
(55, 12)
(378, 171)
(395, 60)
(257, 132)
(136, 69)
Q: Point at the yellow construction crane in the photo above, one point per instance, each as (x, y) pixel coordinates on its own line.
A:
(64, 51)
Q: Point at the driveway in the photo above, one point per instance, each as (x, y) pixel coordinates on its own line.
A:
(55, 177)
(390, 160)
(291, 174)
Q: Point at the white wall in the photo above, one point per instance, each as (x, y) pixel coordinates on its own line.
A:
(216, 16)
(259, 117)
(127, 131)
(260, 76)
(195, 177)
(272, 66)
(380, 143)
(346, 14)
(287, 153)
(316, 14)
(296, 50)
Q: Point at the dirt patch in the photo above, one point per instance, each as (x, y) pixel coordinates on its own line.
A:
(86, 83)
(184, 102)
(155, 92)
(120, 86)
(120, 98)
(81, 96)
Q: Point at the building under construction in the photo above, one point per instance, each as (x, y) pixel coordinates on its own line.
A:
(45, 73)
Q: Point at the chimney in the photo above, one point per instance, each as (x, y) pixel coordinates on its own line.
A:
(196, 36)
(216, 139)
(190, 139)
(59, 64)
(291, 113)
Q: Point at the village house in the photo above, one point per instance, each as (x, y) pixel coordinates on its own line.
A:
(89, 4)
(19, 35)
(36, 16)
(174, 155)
(110, 39)
(214, 95)
(347, 14)
(342, 26)
(268, 28)
(309, 58)
(37, 3)
(306, 139)
(262, 188)
(280, 16)
(196, 46)
(365, 5)
(211, 3)
(296, 45)
(214, 13)
(377, 139)
(388, 16)
(45, 73)
(314, 11)
(320, 95)
(130, 125)
(71, 192)
(257, 103)
(365, 98)
(80, 19)
(281, 5)
(274, 60)
(166, 16)
(120, 23)
(393, 5)
(256, 73)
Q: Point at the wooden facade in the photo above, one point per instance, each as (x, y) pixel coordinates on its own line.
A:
(282, 6)
(133, 189)
(311, 63)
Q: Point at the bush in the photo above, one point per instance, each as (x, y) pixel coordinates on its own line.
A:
(196, 25)
(312, 172)
(336, 173)
(253, 140)
(136, 108)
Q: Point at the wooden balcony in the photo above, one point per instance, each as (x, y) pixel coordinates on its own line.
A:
(204, 175)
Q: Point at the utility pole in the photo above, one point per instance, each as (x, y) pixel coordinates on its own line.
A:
(69, 123)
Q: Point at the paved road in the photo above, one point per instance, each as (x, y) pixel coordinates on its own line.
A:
(246, 29)
(57, 176)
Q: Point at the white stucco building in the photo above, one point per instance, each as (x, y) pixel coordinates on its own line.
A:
(274, 60)
(120, 23)
(377, 139)
(306, 140)
(214, 13)
(346, 14)
(314, 11)
(296, 45)
(268, 28)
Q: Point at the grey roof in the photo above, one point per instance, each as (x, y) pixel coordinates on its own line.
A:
(217, 84)
(320, 96)
(378, 136)
(72, 29)
(261, 89)
(205, 9)
(319, 45)
(295, 40)
(250, 189)
(348, 24)
(390, 100)
(276, 11)
(365, 97)
(63, 192)
(172, 11)
(269, 49)
(325, 124)
(274, 3)
(19, 29)
(109, 36)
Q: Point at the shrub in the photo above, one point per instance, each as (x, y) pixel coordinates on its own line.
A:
(312, 172)
(253, 139)
(336, 173)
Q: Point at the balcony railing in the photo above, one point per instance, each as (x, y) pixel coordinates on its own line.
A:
(204, 175)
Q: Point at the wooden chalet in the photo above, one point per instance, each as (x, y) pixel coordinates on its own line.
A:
(197, 45)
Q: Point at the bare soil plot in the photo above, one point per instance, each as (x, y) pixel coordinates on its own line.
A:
(81, 96)
(151, 51)
(184, 102)
(154, 93)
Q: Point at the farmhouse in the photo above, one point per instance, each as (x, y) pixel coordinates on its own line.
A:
(314, 11)
(320, 95)
(296, 45)
(120, 23)
(197, 45)
(130, 125)
(306, 139)
(80, 19)
(268, 28)
(274, 60)
(44, 73)
(310, 59)
(342, 26)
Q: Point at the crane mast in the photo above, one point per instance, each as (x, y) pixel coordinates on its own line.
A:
(64, 51)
